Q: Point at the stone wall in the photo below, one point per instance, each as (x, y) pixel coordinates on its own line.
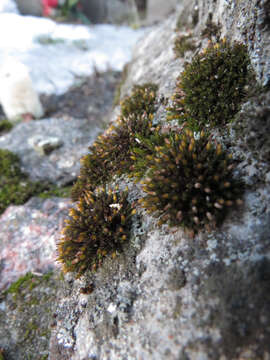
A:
(169, 296)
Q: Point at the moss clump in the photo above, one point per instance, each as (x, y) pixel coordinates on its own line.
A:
(15, 188)
(190, 182)
(141, 100)
(98, 226)
(182, 44)
(111, 153)
(212, 87)
(5, 126)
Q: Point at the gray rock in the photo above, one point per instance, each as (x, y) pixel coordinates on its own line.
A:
(28, 238)
(158, 9)
(201, 298)
(44, 145)
(60, 166)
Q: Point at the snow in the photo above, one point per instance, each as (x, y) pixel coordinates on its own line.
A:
(8, 6)
(56, 54)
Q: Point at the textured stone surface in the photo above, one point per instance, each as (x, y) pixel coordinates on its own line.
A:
(60, 166)
(28, 237)
(169, 296)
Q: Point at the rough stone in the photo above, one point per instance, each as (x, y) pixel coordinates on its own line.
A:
(28, 238)
(44, 145)
(200, 298)
(62, 165)
(158, 9)
(170, 296)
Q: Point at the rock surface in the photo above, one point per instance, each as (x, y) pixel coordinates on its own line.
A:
(169, 296)
(28, 238)
(176, 297)
(60, 166)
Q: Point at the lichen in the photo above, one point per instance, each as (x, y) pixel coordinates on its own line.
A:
(212, 87)
(99, 226)
(190, 182)
(111, 153)
(15, 188)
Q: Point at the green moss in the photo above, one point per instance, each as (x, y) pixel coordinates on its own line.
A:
(98, 226)
(182, 44)
(190, 182)
(53, 190)
(212, 87)
(5, 126)
(2, 354)
(111, 154)
(27, 281)
(15, 188)
(31, 301)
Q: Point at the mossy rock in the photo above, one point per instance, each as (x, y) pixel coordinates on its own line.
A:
(212, 87)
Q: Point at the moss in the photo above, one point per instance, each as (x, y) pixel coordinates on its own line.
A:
(99, 225)
(5, 126)
(2, 354)
(182, 44)
(15, 188)
(53, 190)
(30, 302)
(111, 153)
(190, 182)
(212, 87)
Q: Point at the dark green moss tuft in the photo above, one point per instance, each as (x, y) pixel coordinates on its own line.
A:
(5, 126)
(15, 188)
(212, 87)
(98, 226)
(111, 153)
(190, 182)
(141, 100)
(182, 44)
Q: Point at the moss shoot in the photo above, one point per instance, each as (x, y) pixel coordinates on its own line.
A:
(211, 88)
(111, 154)
(99, 225)
(190, 182)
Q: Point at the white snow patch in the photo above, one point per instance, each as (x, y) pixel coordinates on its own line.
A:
(8, 6)
(58, 53)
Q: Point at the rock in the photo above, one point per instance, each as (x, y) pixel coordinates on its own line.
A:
(177, 297)
(28, 238)
(112, 11)
(44, 145)
(60, 166)
(29, 7)
(158, 10)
